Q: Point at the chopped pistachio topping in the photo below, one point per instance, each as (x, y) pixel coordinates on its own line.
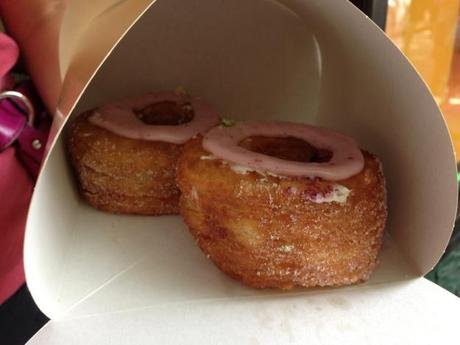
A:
(181, 91)
(224, 122)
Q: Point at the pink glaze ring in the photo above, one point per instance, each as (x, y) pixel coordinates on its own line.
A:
(346, 161)
(120, 118)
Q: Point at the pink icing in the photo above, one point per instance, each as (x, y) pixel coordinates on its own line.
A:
(346, 161)
(119, 118)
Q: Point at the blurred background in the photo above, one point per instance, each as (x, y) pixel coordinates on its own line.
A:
(428, 33)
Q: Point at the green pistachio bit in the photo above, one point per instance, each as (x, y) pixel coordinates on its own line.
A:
(227, 122)
(181, 91)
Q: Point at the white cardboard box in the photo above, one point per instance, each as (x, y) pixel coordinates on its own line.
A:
(112, 279)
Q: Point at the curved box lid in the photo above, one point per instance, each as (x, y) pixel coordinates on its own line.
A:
(310, 61)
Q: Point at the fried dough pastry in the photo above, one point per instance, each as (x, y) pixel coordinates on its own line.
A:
(125, 153)
(123, 175)
(271, 231)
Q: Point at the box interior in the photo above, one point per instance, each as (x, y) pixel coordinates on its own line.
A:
(305, 61)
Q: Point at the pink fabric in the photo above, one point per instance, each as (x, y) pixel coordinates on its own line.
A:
(15, 190)
(9, 53)
(16, 184)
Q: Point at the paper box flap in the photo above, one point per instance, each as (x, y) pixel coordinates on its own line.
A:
(411, 312)
(289, 60)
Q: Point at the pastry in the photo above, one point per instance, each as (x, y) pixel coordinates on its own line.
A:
(125, 153)
(280, 205)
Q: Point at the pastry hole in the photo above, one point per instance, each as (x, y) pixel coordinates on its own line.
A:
(289, 148)
(166, 114)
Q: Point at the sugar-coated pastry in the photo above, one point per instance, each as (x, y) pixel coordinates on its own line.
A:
(125, 153)
(279, 205)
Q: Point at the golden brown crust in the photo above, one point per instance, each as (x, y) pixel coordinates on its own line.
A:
(264, 230)
(123, 175)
